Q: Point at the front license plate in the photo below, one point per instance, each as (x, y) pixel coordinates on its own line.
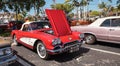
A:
(74, 48)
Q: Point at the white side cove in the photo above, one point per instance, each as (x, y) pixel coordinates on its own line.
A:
(29, 41)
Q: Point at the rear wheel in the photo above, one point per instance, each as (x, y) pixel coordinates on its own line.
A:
(41, 50)
(90, 39)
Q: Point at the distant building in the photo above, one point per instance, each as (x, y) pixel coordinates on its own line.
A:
(5, 17)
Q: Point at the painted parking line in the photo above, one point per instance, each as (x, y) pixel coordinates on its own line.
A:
(105, 51)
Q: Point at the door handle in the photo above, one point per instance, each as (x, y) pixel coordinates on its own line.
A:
(111, 29)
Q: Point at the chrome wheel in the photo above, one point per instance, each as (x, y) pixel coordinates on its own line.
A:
(41, 50)
(90, 39)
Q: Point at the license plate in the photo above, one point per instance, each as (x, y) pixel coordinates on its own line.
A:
(74, 48)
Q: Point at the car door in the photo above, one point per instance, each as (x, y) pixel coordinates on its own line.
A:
(114, 31)
(25, 34)
(103, 30)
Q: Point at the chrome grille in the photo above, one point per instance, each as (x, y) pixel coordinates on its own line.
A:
(4, 58)
(70, 43)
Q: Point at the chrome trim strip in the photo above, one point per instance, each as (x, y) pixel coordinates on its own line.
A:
(62, 49)
(8, 60)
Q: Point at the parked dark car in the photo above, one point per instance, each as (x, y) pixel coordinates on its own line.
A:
(7, 55)
(15, 24)
(3, 27)
(11, 25)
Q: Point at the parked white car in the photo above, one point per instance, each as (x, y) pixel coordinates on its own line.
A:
(103, 29)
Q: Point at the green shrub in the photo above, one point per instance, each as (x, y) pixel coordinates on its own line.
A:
(5, 34)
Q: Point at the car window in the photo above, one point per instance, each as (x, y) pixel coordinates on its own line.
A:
(106, 23)
(26, 27)
(40, 25)
(115, 22)
(34, 26)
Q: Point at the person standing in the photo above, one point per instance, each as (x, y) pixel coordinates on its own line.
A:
(27, 20)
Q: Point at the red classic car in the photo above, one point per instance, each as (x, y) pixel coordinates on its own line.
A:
(49, 38)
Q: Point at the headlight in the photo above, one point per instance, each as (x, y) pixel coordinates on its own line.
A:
(56, 41)
(1, 52)
(5, 51)
(82, 36)
(8, 51)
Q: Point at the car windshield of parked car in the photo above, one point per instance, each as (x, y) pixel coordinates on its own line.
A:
(39, 25)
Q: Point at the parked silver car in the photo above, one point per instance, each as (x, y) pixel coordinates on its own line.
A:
(103, 29)
(7, 55)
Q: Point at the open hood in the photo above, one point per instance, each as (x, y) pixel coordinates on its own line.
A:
(58, 22)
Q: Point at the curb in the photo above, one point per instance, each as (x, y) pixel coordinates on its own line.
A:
(5, 40)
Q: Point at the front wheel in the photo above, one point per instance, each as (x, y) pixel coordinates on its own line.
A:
(90, 39)
(41, 50)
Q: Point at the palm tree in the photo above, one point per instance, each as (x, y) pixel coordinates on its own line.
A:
(103, 6)
(21, 5)
(36, 4)
(67, 7)
(106, 8)
(84, 4)
(3, 5)
(17, 6)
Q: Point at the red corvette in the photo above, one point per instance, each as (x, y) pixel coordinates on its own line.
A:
(49, 38)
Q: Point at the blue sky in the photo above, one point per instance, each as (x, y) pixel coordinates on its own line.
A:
(93, 5)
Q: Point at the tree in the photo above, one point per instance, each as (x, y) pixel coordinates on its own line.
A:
(103, 6)
(21, 5)
(82, 5)
(3, 5)
(106, 8)
(94, 13)
(24, 14)
(15, 5)
(36, 4)
(67, 7)
(118, 5)
(19, 17)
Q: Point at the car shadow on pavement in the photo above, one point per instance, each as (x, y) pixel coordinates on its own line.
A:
(64, 57)
(25, 61)
(108, 44)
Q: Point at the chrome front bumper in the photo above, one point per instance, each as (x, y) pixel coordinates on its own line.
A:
(6, 60)
(70, 48)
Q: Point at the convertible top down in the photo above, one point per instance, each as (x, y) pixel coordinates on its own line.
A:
(49, 37)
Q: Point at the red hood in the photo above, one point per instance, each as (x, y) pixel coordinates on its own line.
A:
(58, 22)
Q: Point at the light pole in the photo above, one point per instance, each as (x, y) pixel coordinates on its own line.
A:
(77, 4)
(54, 2)
(100, 1)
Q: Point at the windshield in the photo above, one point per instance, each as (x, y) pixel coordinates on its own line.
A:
(39, 25)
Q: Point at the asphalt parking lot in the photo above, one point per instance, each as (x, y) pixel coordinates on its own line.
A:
(100, 54)
(89, 55)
